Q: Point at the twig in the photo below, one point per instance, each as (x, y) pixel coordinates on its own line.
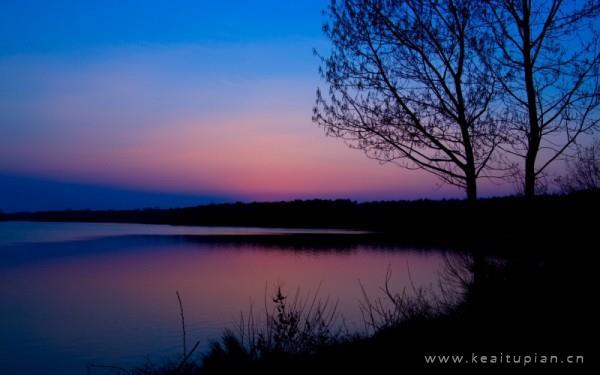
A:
(187, 356)
(182, 325)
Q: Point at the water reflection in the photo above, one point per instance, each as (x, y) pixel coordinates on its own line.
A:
(111, 299)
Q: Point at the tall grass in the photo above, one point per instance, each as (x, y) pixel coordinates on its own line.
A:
(392, 308)
(295, 332)
(291, 327)
(304, 333)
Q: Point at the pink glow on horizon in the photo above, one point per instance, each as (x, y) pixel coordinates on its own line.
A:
(246, 156)
(142, 119)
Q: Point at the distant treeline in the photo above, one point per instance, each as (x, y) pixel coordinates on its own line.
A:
(507, 217)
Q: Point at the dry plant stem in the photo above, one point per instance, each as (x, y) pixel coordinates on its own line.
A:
(182, 324)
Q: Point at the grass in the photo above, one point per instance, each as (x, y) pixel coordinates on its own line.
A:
(293, 330)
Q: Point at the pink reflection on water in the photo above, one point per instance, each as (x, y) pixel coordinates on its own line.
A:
(119, 307)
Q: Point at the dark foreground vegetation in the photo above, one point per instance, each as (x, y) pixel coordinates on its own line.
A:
(447, 221)
(527, 307)
(514, 307)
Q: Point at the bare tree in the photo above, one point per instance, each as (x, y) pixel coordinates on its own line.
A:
(546, 61)
(583, 172)
(406, 86)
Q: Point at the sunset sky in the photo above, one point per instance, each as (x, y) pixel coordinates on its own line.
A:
(117, 104)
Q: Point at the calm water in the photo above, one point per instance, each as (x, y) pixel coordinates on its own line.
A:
(73, 294)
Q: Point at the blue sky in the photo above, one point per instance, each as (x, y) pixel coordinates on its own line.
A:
(51, 26)
(201, 99)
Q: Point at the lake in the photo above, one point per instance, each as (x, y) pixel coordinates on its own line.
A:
(74, 294)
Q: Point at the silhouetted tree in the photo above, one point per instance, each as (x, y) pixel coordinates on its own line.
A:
(583, 173)
(406, 86)
(546, 61)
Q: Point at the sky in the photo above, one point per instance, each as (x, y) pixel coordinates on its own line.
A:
(175, 103)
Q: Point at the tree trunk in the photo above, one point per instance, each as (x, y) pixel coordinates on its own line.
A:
(470, 173)
(534, 138)
(471, 187)
(530, 177)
